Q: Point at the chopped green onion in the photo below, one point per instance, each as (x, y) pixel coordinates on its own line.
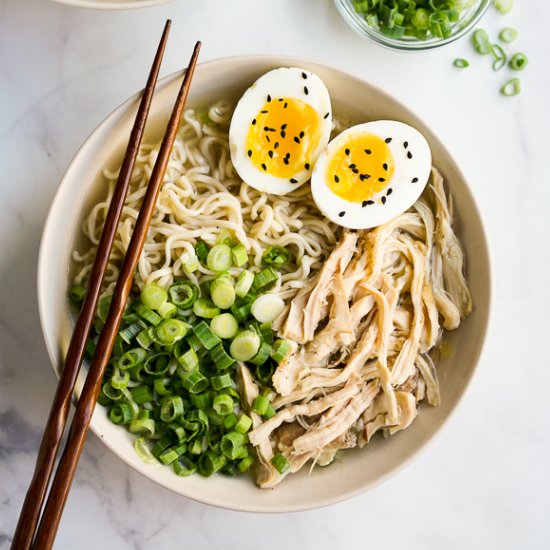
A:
(270, 412)
(280, 350)
(244, 465)
(245, 345)
(243, 284)
(264, 372)
(145, 426)
(132, 358)
(205, 308)
(421, 19)
(169, 455)
(142, 394)
(224, 326)
(210, 463)
(184, 466)
(225, 237)
(220, 358)
(202, 400)
(500, 57)
(260, 405)
(461, 63)
(144, 339)
(207, 338)
(153, 296)
(267, 308)
(167, 310)
(440, 24)
(263, 354)
(194, 382)
(120, 413)
(221, 381)
(201, 250)
(223, 404)
(77, 293)
(183, 294)
(481, 41)
(222, 293)
(219, 258)
(511, 88)
(518, 61)
(265, 280)
(158, 364)
(159, 385)
(280, 463)
(131, 331)
(191, 265)
(243, 424)
(276, 256)
(147, 314)
(241, 310)
(508, 35)
(143, 451)
(171, 330)
(239, 254)
(103, 306)
(120, 379)
(503, 6)
(266, 333)
(232, 444)
(188, 360)
(171, 407)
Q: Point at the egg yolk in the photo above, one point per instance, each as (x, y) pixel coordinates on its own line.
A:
(283, 136)
(360, 168)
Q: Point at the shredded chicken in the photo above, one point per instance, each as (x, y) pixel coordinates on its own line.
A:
(362, 332)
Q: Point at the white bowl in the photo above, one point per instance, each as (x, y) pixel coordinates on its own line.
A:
(356, 470)
(112, 4)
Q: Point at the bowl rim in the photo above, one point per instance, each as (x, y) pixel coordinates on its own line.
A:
(143, 468)
(111, 5)
(359, 25)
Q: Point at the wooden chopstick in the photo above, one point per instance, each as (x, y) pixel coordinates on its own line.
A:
(53, 432)
(67, 465)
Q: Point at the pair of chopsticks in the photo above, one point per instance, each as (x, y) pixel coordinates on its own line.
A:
(32, 530)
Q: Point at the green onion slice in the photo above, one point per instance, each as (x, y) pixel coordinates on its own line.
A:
(183, 294)
(245, 345)
(219, 258)
(224, 325)
(503, 6)
(239, 254)
(481, 42)
(153, 296)
(243, 284)
(518, 61)
(461, 63)
(280, 463)
(222, 293)
(511, 88)
(276, 256)
(508, 35)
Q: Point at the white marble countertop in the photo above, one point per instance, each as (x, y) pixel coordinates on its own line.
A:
(484, 482)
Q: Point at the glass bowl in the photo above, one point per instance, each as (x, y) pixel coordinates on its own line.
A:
(468, 18)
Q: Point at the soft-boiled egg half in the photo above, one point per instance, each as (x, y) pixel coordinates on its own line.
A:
(279, 127)
(371, 173)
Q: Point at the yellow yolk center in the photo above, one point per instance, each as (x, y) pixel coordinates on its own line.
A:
(360, 168)
(283, 137)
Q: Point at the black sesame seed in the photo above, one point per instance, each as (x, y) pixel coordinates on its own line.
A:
(270, 153)
(285, 160)
(283, 126)
(383, 200)
(276, 145)
(327, 115)
(366, 176)
(254, 121)
(381, 179)
(368, 151)
(292, 180)
(283, 134)
(306, 91)
(409, 155)
(266, 128)
(364, 203)
(264, 112)
(341, 214)
(306, 165)
(304, 76)
(287, 156)
(296, 139)
(280, 99)
(352, 166)
(267, 138)
(264, 166)
(250, 152)
(405, 144)
(268, 98)
(355, 171)
(336, 178)
(302, 134)
(285, 105)
(347, 151)
(390, 191)
(385, 166)
(388, 140)
(414, 180)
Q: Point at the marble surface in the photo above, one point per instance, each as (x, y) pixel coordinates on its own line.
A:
(484, 482)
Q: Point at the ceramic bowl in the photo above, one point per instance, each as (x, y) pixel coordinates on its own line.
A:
(355, 471)
(112, 4)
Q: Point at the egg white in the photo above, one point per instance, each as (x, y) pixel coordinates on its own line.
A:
(290, 82)
(412, 164)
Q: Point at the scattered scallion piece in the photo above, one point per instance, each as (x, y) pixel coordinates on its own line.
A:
(153, 296)
(518, 61)
(280, 463)
(461, 63)
(224, 325)
(500, 57)
(225, 237)
(267, 307)
(511, 88)
(205, 308)
(239, 254)
(219, 258)
(245, 345)
(244, 283)
(201, 250)
(77, 293)
(260, 405)
(280, 350)
(222, 292)
(508, 35)
(276, 256)
(481, 42)
(183, 294)
(503, 6)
